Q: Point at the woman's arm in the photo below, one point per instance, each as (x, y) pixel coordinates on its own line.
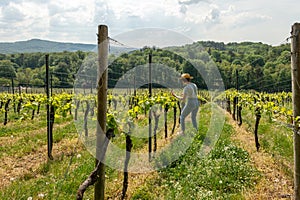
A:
(179, 97)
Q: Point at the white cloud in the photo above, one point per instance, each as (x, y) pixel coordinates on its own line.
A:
(77, 13)
(213, 16)
(190, 2)
(6, 2)
(12, 13)
(137, 8)
(218, 20)
(152, 37)
(23, 20)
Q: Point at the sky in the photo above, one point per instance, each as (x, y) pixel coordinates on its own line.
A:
(266, 21)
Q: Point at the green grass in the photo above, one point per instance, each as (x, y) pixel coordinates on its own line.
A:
(52, 179)
(18, 127)
(223, 174)
(274, 137)
(60, 179)
(31, 140)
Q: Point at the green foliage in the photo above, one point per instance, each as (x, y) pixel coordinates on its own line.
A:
(7, 69)
(142, 194)
(273, 104)
(262, 67)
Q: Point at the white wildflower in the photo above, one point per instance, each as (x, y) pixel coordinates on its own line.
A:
(41, 195)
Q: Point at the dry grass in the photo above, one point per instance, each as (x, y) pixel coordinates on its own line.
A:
(136, 180)
(12, 167)
(274, 184)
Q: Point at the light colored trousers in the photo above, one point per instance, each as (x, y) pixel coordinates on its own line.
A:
(192, 106)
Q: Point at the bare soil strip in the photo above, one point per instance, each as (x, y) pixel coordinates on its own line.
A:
(12, 167)
(274, 184)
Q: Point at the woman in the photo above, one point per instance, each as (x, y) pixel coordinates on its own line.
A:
(191, 101)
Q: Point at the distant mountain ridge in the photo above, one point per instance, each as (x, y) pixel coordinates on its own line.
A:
(46, 46)
(38, 45)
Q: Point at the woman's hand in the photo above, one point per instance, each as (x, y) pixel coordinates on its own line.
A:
(178, 97)
(172, 92)
(174, 95)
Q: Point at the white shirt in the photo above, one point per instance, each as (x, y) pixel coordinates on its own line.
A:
(190, 91)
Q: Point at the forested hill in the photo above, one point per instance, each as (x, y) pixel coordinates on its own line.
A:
(37, 45)
(261, 66)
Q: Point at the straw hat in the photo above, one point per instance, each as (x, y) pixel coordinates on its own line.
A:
(186, 76)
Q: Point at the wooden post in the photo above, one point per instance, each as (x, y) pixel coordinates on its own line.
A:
(49, 132)
(13, 92)
(101, 109)
(237, 79)
(134, 83)
(150, 75)
(12, 86)
(237, 89)
(51, 84)
(295, 61)
(150, 113)
(91, 87)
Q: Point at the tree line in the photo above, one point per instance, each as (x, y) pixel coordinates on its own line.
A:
(259, 66)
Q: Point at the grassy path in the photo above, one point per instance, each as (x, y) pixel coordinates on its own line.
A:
(28, 166)
(274, 183)
(233, 170)
(222, 174)
(23, 154)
